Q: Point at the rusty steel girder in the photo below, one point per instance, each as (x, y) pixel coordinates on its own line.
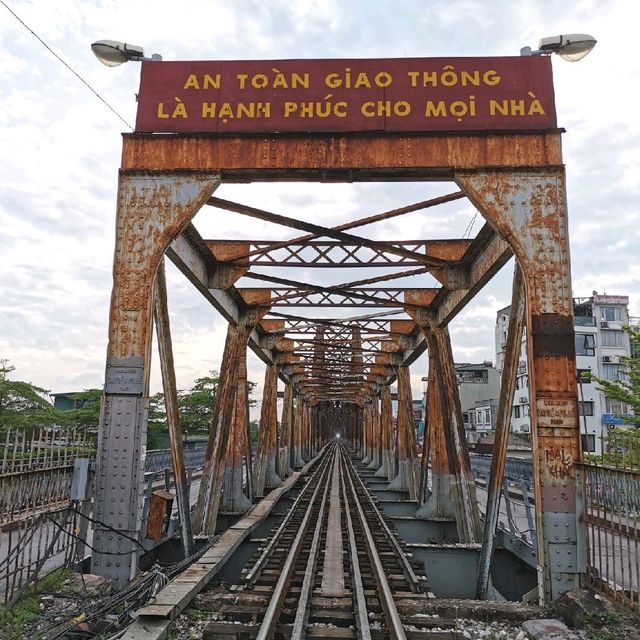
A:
(514, 179)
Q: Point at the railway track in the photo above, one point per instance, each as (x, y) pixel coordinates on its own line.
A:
(333, 568)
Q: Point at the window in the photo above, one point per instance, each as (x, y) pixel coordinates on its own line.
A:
(612, 338)
(588, 443)
(613, 372)
(615, 406)
(584, 376)
(516, 411)
(611, 314)
(585, 408)
(487, 417)
(585, 344)
(479, 417)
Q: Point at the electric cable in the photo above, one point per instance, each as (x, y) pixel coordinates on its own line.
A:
(75, 73)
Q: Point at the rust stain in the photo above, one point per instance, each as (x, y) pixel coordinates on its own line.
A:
(420, 297)
(255, 296)
(452, 250)
(244, 157)
(227, 251)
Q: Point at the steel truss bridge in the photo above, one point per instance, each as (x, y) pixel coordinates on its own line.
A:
(335, 349)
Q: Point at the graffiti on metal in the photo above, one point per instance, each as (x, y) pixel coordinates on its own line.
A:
(395, 95)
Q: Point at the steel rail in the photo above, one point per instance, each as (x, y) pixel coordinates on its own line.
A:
(406, 565)
(394, 623)
(254, 573)
(364, 626)
(267, 628)
(302, 611)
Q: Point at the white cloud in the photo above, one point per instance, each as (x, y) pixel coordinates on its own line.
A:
(60, 152)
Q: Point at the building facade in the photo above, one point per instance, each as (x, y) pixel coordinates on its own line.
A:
(479, 388)
(600, 345)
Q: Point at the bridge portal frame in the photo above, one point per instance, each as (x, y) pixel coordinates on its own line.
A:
(517, 182)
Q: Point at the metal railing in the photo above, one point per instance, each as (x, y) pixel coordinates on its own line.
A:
(158, 459)
(612, 499)
(612, 518)
(36, 471)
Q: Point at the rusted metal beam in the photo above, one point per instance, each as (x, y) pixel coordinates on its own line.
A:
(503, 428)
(152, 209)
(528, 208)
(489, 253)
(206, 512)
(464, 494)
(265, 473)
(191, 257)
(163, 330)
(320, 231)
(306, 239)
(340, 157)
(405, 479)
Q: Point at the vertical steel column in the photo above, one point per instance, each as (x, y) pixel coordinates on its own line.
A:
(387, 468)
(163, 330)
(234, 501)
(367, 425)
(152, 210)
(405, 479)
(529, 209)
(468, 519)
(286, 430)
(426, 441)
(206, 513)
(503, 427)
(440, 503)
(298, 461)
(376, 456)
(265, 476)
(306, 429)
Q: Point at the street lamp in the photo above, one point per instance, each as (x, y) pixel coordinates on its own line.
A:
(571, 47)
(113, 53)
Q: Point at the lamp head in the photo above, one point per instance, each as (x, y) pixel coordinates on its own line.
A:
(113, 53)
(571, 47)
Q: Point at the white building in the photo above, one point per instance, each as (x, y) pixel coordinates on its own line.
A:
(479, 389)
(600, 342)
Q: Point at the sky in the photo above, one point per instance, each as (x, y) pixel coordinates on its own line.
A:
(60, 150)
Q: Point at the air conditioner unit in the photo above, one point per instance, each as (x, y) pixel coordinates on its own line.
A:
(606, 358)
(604, 324)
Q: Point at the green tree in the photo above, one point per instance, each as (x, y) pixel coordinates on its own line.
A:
(621, 446)
(157, 429)
(22, 404)
(86, 414)
(196, 404)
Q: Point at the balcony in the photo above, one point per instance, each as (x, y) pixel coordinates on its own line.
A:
(584, 321)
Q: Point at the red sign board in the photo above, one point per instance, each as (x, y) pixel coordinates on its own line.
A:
(395, 95)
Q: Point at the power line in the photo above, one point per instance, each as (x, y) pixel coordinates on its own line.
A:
(75, 73)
